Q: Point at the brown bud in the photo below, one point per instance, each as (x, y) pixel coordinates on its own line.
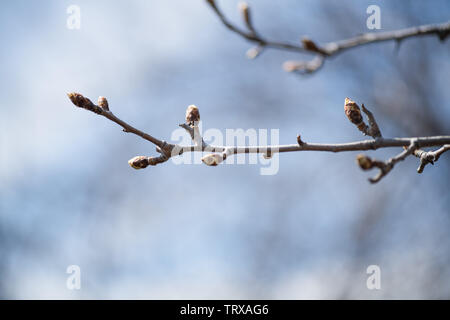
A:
(192, 115)
(82, 102)
(103, 103)
(212, 159)
(299, 140)
(308, 44)
(353, 112)
(139, 162)
(364, 162)
(79, 100)
(243, 7)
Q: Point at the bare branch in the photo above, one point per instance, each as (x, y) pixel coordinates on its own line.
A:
(83, 102)
(220, 153)
(441, 30)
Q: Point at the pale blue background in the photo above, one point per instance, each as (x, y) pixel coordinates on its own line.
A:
(68, 196)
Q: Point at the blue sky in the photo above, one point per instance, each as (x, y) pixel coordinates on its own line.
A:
(69, 197)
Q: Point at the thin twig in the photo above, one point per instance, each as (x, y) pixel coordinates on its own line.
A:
(427, 157)
(367, 163)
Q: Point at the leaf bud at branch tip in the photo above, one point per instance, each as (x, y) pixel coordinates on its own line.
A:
(364, 162)
(290, 66)
(139, 162)
(243, 7)
(252, 53)
(192, 115)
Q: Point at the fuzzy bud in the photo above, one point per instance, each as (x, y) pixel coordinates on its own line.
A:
(353, 112)
(82, 102)
(103, 103)
(291, 66)
(243, 7)
(252, 53)
(192, 114)
(139, 162)
(212, 159)
(364, 162)
(300, 141)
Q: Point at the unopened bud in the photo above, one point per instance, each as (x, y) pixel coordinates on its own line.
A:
(212, 159)
(243, 8)
(82, 102)
(353, 112)
(139, 162)
(103, 103)
(252, 53)
(192, 114)
(364, 162)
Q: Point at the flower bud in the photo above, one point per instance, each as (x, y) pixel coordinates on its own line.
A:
(353, 112)
(103, 103)
(244, 9)
(252, 53)
(192, 114)
(212, 159)
(291, 66)
(82, 102)
(139, 162)
(364, 162)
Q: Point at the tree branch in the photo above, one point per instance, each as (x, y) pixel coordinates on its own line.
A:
(220, 153)
(441, 30)
(427, 157)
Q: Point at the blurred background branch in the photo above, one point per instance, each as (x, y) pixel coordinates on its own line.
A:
(329, 49)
